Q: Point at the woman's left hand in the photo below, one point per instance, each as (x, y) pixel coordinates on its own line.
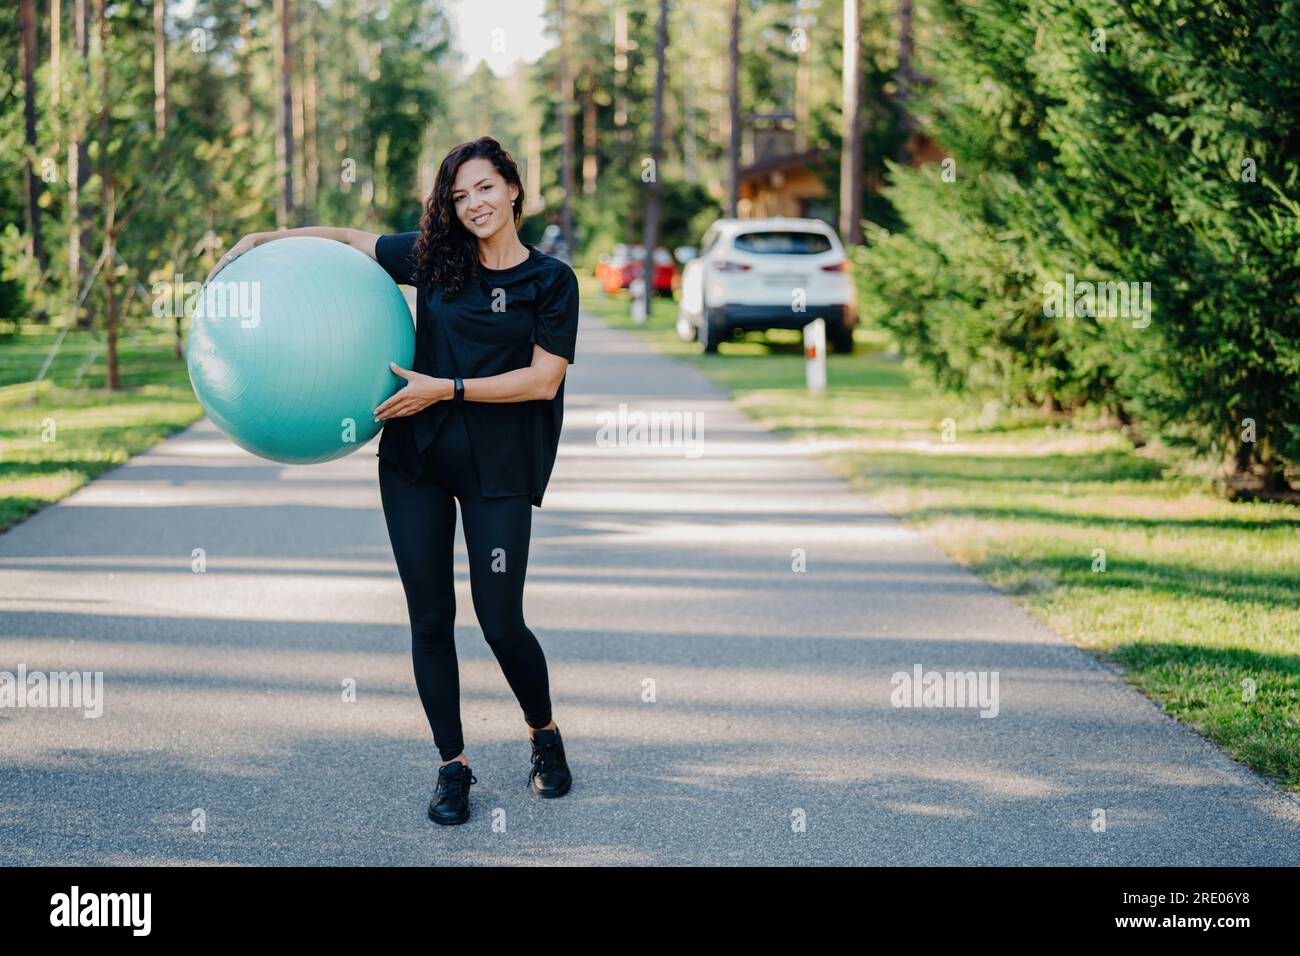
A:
(420, 392)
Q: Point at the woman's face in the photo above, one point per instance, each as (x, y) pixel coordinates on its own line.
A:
(482, 198)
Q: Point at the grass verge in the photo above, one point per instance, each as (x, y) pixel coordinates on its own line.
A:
(75, 429)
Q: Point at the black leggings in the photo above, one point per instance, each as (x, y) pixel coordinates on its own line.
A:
(421, 520)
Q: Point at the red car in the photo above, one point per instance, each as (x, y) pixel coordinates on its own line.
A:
(624, 265)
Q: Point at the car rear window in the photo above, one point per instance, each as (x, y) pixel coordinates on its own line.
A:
(783, 243)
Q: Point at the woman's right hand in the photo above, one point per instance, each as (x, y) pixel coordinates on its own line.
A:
(237, 250)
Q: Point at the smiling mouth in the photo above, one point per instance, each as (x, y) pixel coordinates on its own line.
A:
(481, 219)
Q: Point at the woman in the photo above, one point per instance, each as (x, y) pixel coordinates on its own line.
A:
(478, 421)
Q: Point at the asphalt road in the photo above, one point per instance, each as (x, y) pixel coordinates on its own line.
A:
(718, 707)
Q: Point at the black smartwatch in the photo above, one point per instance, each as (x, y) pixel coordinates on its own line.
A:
(460, 391)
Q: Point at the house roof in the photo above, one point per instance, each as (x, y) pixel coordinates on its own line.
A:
(774, 163)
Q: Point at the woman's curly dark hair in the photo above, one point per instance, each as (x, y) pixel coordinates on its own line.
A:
(445, 252)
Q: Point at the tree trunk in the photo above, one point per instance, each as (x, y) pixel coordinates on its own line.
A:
(246, 70)
(690, 173)
(733, 112)
(851, 147)
(32, 208)
(347, 142)
(159, 69)
(1254, 472)
(56, 23)
(82, 234)
(534, 170)
(284, 129)
(590, 169)
(106, 177)
(1128, 426)
(110, 328)
(299, 133)
(651, 234)
(311, 94)
(802, 89)
(620, 73)
(566, 125)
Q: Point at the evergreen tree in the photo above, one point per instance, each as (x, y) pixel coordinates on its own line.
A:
(958, 285)
(1179, 164)
(1150, 141)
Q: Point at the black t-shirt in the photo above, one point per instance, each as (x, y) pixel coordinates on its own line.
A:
(536, 301)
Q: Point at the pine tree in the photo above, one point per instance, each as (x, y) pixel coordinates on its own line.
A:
(1180, 165)
(1112, 142)
(959, 284)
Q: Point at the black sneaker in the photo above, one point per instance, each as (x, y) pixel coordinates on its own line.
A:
(450, 803)
(550, 775)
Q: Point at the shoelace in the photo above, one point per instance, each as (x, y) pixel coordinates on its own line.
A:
(545, 757)
(448, 781)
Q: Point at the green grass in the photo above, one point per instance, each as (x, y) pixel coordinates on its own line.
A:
(93, 429)
(1199, 602)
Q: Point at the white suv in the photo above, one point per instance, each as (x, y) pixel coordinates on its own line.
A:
(760, 274)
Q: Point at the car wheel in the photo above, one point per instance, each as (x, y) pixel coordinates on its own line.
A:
(842, 341)
(711, 331)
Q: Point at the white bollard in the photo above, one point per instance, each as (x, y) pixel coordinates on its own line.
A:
(814, 350)
(637, 288)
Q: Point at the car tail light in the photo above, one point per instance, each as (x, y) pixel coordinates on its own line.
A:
(837, 267)
(723, 265)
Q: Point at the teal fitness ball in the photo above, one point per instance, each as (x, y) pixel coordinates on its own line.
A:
(289, 348)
